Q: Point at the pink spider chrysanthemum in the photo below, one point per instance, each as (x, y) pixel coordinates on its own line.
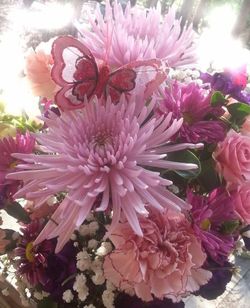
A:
(136, 34)
(101, 157)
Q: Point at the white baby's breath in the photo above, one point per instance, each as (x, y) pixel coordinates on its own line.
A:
(93, 227)
(5, 292)
(68, 296)
(108, 299)
(38, 295)
(104, 249)
(84, 230)
(92, 244)
(98, 278)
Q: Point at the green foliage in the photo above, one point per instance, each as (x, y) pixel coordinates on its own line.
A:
(208, 178)
(186, 157)
(47, 303)
(238, 111)
(15, 210)
(218, 99)
(229, 227)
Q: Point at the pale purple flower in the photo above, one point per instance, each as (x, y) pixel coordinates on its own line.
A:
(120, 37)
(102, 156)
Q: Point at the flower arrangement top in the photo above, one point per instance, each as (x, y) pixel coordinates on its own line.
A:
(111, 145)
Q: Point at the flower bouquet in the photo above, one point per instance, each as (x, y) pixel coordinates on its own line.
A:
(133, 190)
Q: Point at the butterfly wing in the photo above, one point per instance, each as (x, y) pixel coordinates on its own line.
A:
(150, 74)
(147, 73)
(120, 81)
(74, 71)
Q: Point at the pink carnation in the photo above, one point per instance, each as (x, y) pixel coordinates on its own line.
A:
(166, 262)
(241, 202)
(38, 67)
(135, 34)
(232, 157)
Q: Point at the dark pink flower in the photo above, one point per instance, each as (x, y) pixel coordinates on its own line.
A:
(40, 265)
(209, 213)
(21, 143)
(192, 103)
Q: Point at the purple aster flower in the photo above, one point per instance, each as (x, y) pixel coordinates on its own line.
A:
(216, 286)
(192, 103)
(104, 150)
(33, 259)
(209, 213)
(60, 267)
(228, 84)
(40, 265)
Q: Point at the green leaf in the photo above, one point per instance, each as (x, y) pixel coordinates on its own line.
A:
(15, 210)
(208, 177)
(47, 303)
(239, 111)
(217, 99)
(229, 227)
(186, 157)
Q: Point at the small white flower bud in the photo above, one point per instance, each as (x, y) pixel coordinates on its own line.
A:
(68, 296)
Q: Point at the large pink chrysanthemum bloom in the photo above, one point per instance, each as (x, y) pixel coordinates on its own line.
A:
(122, 37)
(166, 262)
(102, 152)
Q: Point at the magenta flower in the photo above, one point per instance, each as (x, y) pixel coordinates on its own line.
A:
(209, 214)
(40, 265)
(193, 104)
(103, 152)
(18, 144)
(32, 259)
(137, 34)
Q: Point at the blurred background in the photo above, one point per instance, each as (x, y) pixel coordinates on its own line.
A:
(223, 26)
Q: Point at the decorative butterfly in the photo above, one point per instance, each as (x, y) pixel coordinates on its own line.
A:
(76, 72)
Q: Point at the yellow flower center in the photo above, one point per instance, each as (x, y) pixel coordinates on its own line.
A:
(29, 252)
(13, 165)
(205, 224)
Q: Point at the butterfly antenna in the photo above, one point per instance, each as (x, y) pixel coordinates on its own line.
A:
(110, 38)
(77, 25)
(73, 51)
